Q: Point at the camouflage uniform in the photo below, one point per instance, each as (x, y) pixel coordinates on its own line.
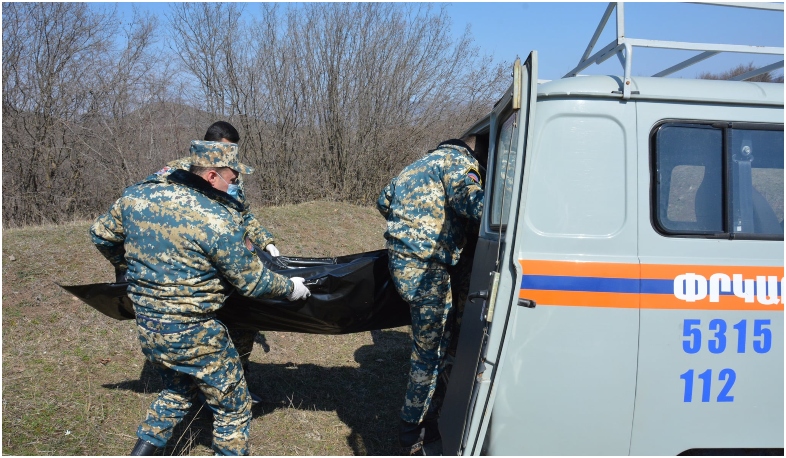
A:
(429, 207)
(243, 339)
(257, 233)
(183, 242)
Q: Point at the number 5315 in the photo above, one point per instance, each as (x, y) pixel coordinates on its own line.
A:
(718, 336)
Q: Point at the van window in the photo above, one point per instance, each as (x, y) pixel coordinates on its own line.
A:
(504, 170)
(719, 180)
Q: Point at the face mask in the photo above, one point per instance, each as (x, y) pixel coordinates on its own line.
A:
(232, 189)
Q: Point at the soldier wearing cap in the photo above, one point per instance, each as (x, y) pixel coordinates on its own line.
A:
(430, 208)
(181, 240)
(256, 234)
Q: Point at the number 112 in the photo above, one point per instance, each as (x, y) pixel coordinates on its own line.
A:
(706, 377)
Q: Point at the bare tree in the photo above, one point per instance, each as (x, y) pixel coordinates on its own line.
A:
(123, 87)
(48, 49)
(331, 99)
(78, 121)
(206, 37)
(739, 70)
(358, 90)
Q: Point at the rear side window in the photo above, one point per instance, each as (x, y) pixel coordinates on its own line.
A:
(504, 171)
(722, 180)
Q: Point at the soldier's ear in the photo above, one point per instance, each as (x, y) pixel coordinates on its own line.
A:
(211, 176)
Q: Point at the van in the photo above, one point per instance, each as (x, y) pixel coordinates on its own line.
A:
(626, 292)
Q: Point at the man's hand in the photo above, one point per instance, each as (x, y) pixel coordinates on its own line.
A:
(300, 291)
(270, 248)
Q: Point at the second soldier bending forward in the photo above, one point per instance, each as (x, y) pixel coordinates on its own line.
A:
(428, 208)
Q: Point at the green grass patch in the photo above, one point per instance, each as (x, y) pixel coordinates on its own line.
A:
(76, 383)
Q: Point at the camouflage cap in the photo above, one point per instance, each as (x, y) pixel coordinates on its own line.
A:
(217, 154)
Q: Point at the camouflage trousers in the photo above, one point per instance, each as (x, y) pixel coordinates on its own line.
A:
(243, 340)
(428, 292)
(194, 357)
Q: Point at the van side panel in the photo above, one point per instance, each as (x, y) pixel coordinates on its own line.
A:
(710, 373)
(638, 344)
(567, 374)
(583, 173)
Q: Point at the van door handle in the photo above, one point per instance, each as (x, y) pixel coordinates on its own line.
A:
(478, 295)
(529, 303)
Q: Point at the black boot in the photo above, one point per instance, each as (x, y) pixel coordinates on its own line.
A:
(143, 448)
(413, 436)
(430, 430)
(410, 434)
(410, 438)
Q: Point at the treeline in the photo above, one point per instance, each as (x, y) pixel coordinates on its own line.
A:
(331, 99)
(742, 69)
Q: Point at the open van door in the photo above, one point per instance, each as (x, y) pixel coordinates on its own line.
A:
(494, 282)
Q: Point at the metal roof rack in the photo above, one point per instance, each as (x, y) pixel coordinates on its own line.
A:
(622, 46)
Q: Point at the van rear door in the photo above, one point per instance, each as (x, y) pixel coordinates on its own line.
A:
(494, 281)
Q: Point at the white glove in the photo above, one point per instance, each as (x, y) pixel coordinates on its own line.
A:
(270, 248)
(300, 291)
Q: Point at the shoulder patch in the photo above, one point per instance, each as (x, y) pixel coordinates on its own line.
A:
(473, 174)
(247, 241)
(164, 171)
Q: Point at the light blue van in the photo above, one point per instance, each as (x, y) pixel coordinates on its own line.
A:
(626, 294)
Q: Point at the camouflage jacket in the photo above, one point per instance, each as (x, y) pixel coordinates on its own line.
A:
(431, 204)
(259, 236)
(183, 244)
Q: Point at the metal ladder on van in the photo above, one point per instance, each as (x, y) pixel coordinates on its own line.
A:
(622, 46)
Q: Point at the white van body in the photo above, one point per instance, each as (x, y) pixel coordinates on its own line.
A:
(626, 309)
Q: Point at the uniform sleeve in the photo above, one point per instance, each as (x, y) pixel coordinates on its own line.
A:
(385, 197)
(259, 236)
(243, 269)
(108, 236)
(464, 189)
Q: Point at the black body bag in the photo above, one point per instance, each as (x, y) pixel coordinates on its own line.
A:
(352, 293)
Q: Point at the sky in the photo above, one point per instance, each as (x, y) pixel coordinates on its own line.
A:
(560, 32)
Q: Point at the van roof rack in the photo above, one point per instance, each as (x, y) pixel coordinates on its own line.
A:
(623, 45)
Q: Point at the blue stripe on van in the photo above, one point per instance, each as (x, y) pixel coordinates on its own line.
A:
(589, 284)
(604, 285)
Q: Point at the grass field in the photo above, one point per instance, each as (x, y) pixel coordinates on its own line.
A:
(75, 381)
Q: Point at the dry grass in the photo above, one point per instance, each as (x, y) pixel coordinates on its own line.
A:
(75, 382)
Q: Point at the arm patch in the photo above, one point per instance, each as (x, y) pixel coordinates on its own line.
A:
(247, 241)
(473, 174)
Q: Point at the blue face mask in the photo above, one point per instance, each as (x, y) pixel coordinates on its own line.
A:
(232, 189)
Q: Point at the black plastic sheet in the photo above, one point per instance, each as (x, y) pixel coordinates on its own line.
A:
(352, 293)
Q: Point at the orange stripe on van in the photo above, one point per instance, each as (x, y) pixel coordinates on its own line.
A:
(625, 270)
(648, 286)
(580, 268)
(648, 301)
(672, 270)
(581, 299)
